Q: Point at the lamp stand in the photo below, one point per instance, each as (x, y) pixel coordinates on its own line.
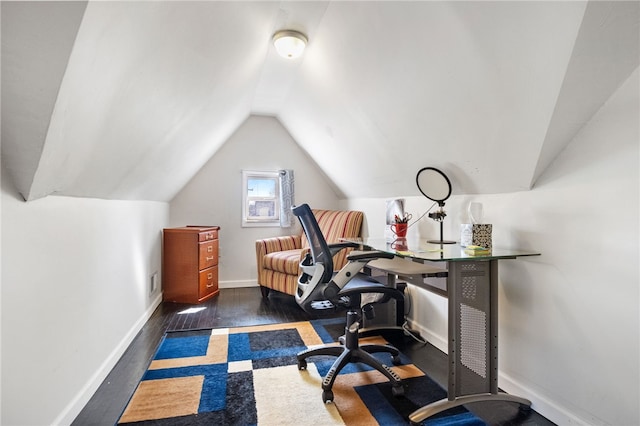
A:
(441, 241)
(439, 216)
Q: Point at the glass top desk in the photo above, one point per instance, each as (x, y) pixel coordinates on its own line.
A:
(472, 292)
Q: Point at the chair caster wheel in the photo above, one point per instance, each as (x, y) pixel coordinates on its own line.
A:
(302, 364)
(327, 396)
(397, 391)
(396, 360)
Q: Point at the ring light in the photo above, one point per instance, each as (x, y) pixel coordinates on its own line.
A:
(436, 186)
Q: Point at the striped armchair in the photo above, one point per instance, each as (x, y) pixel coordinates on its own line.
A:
(278, 258)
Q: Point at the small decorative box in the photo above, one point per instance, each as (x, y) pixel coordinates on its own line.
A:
(475, 234)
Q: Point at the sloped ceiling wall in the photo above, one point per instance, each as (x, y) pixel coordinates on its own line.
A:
(37, 39)
(139, 95)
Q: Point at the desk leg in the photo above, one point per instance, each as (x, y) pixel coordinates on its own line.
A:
(472, 289)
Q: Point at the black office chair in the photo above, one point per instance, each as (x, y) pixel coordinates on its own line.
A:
(320, 290)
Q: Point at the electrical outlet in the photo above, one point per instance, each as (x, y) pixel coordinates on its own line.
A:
(154, 282)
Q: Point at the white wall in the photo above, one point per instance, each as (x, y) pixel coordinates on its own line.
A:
(75, 291)
(569, 332)
(213, 196)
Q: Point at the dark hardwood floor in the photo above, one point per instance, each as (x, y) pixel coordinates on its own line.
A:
(245, 306)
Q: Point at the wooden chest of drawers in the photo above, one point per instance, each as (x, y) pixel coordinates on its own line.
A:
(190, 264)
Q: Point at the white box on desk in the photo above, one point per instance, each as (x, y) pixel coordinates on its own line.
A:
(476, 234)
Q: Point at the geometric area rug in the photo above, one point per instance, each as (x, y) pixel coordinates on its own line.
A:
(250, 376)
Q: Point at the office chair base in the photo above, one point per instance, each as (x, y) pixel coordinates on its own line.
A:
(363, 355)
(352, 352)
(345, 356)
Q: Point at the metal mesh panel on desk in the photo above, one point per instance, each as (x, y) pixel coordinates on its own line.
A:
(473, 338)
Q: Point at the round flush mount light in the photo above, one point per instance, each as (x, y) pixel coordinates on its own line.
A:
(289, 44)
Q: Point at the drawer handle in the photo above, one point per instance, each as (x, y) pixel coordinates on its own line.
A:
(209, 276)
(210, 249)
(209, 258)
(210, 285)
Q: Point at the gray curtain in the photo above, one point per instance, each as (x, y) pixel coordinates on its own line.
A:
(286, 198)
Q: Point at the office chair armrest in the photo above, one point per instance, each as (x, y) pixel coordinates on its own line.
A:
(369, 255)
(336, 247)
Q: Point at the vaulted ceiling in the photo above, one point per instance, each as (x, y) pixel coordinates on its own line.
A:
(127, 100)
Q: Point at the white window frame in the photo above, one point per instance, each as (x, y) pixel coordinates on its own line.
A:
(253, 220)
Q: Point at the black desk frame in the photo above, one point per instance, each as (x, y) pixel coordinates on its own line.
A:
(472, 288)
(472, 292)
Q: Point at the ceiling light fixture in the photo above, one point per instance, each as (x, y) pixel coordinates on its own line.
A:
(289, 44)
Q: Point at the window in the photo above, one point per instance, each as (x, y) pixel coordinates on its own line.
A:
(261, 198)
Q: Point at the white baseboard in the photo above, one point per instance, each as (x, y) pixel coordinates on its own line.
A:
(548, 408)
(237, 284)
(431, 337)
(71, 411)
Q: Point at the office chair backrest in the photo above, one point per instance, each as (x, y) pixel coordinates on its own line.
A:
(317, 244)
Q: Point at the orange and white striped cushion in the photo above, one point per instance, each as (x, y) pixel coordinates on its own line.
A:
(283, 261)
(288, 242)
